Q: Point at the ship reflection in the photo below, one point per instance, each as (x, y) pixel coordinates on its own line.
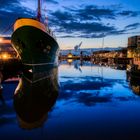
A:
(34, 97)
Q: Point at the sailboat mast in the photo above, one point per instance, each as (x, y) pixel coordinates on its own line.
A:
(39, 10)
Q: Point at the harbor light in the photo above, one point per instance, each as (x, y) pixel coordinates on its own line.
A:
(5, 56)
(69, 55)
(1, 39)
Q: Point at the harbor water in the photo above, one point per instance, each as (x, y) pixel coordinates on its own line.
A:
(94, 102)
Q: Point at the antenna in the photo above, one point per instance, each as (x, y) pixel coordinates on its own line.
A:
(46, 17)
(39, 10)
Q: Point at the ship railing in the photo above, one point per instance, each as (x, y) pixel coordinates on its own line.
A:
(50, 32)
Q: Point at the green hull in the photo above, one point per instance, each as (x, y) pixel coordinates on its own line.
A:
(35, 46)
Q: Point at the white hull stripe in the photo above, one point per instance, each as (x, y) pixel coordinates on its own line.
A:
(35, 81)
(39, 64)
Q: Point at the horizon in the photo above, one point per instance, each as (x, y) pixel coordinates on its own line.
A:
(67, 49)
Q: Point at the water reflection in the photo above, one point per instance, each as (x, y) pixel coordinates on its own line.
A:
(9, 72)
(69, 61)
(93, 84)
(34, 97)
(95, 102)
(134, 81)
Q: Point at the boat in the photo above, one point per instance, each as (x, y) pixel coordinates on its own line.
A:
(34, 42)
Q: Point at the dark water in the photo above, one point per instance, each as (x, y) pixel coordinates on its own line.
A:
(94, 103)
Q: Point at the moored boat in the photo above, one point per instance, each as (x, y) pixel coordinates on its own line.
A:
(34, 41)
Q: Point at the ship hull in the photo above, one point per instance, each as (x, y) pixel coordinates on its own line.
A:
(34, 45)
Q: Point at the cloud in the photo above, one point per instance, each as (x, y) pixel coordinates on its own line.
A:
(132, 26)
(8, 3)
(88, 21)
(7, 19)
(85, 28)
(52, 1)
(69, 24)
(9, 12)
(47, 1)
(92, 12)
(129, 13)
(63, 15)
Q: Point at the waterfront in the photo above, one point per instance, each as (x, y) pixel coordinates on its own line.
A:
(93, 102)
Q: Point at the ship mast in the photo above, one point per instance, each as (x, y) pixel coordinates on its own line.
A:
(39, 10)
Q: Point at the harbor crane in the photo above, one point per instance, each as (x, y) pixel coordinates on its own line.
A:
(77, 47)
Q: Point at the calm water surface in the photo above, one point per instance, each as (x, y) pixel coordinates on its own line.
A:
(94, 103)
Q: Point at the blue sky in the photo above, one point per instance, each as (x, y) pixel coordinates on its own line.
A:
(74, 21)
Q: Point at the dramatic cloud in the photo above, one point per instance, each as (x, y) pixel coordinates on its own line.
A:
(92, 12)
(129, 13)
(132, 26)
(52, 1)
(88, 21)
(62, 15)
(48, 1)
(69, 23)
(10, 10)
(7, 18)
(8, 3)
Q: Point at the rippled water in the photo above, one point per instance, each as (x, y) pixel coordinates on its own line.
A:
(94, 103)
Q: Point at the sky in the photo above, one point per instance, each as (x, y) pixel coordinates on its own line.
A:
(73, 21)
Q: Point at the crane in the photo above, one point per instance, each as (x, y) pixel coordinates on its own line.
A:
(78, 46)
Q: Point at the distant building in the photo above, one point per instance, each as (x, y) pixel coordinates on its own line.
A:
(86, 52)
(6, 49)
(111, 54)
(133, 46)
(134, 42)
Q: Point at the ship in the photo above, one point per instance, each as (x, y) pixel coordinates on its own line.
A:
(34, 42)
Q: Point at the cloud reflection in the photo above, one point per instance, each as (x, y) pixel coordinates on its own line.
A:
(90, 90)
(89, 100)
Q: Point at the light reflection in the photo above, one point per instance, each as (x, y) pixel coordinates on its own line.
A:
(134, 81)
(84, 97)
(69, 61)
